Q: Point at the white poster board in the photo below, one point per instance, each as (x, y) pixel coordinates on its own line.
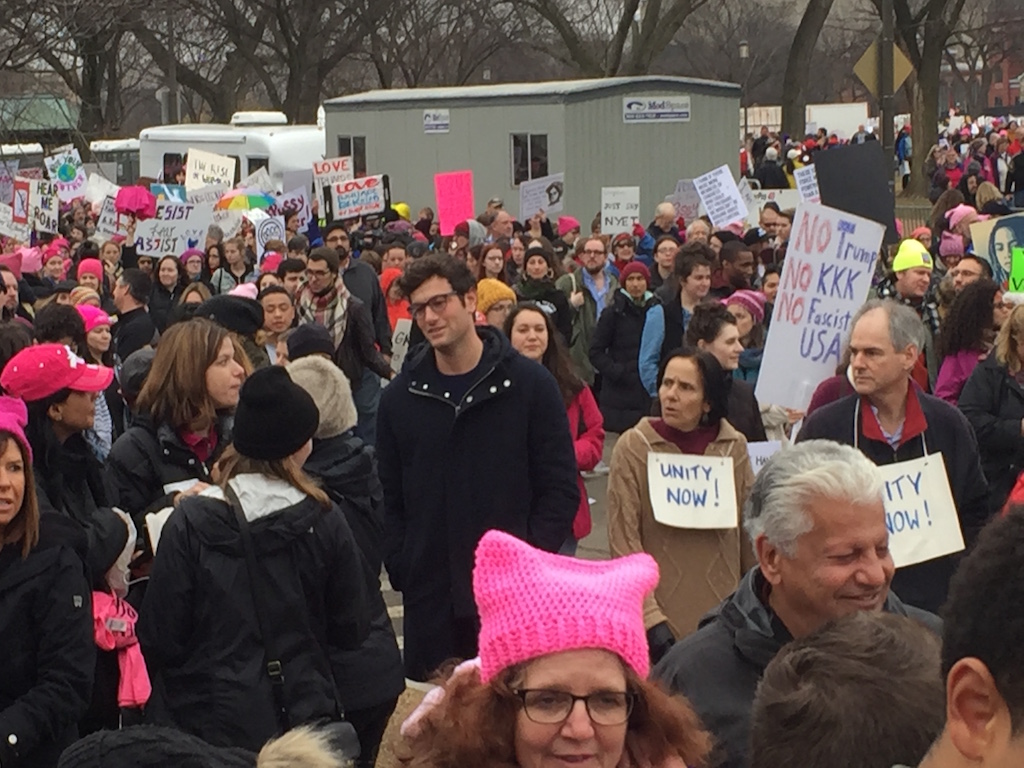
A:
(97, 188)
(807, 184)
(65, 170)
(686, 200)
(8, 171)
(43, 206)
(9, 228)
(784, 198)
(721, 197)
(743, 185)
(176, 228)
(230, 222)
(107, 224)
(761, 452)
(296, 200)
(544, 194)
(267, 229)
(206, 168)
(359, 197)
(620, 209)
(688, 491)
(327, 173)
(258, 179)
(919, 511)
(400, 343)
(825, 279)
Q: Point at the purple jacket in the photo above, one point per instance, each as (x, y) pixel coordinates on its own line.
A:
(954, 373)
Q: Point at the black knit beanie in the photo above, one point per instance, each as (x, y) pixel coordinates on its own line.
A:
(150, 746)
(274, 417)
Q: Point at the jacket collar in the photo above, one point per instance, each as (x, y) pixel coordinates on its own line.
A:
(914, 423)
(726, 433)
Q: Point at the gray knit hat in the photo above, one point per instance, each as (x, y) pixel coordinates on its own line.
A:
(331, 392)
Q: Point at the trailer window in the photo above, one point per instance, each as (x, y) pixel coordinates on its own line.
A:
(529, 157)
(354, 146)
(172, 162)
(255, 163)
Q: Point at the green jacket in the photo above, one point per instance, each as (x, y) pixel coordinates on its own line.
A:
(584, 319)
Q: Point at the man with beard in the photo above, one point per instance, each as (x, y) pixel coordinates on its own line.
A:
(736, 271)
(589, 290)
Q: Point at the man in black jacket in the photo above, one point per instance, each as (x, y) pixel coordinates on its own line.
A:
(817, 522)
(135, 328)
(890, 420)
(471, 436)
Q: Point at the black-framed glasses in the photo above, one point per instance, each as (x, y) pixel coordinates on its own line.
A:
(436, 303)
(553, 707)
(317, 272)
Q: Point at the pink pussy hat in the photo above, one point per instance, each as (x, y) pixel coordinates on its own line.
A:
(533, 603)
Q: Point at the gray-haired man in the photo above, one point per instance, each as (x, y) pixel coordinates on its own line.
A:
(817, 522)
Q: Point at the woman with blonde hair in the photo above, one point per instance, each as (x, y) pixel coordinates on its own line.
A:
(255, 582)
(562, 672)
(184, 419)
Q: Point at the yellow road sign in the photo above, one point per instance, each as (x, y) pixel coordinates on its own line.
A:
(867, 69)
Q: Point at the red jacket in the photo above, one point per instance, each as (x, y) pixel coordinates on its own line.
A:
(586, 425)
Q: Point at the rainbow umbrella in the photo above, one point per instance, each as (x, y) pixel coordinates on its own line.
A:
(244, 200)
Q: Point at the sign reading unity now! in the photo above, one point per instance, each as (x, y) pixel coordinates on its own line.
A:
(825, 279)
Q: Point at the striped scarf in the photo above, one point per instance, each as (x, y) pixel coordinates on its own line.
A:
(329, 309)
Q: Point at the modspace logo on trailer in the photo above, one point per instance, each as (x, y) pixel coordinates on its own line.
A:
(665, 109)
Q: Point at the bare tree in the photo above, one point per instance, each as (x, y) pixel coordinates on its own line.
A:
(798, 66)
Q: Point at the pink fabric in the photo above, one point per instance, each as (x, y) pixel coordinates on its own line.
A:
(586, 425)
(31, 259)
(567, 224)
(534, 603)
(954, 373)
(114, 628)
(92, 267)
(412, 726)
(93, 317)
(752, 301)
(13, 262)
(13, 419)
(247, 290)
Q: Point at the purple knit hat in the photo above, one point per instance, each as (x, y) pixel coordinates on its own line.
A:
(752, 301)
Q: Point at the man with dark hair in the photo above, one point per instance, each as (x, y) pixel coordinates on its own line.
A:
(134, 329)
(983, 654)
(298, 247)
(867, 673)
(59, 324)
(292, 272)
(968, 270)
(471, 436)
(736, 272)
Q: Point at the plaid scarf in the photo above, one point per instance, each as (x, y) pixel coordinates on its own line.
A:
(329, 309)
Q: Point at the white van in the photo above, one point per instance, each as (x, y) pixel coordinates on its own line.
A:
(255, 139)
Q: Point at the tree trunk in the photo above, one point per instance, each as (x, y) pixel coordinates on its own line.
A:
(925, 108)
(798, 67)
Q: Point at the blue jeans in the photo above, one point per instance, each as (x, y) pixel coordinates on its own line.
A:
(367, 400)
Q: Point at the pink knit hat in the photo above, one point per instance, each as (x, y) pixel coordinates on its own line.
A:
(752, 301)
(93, 317)
(13, 418)
(246, 290)
(92, 267)
(567, 224)
(533, 603)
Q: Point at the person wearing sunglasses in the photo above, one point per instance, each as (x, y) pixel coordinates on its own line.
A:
(562, 674)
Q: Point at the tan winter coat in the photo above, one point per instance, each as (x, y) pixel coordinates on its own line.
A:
(699, 568)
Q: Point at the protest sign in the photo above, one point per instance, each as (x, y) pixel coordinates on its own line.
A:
(994, 241)
(692, 491)
(267, 229)
(825, 278)
(453, 193)
(686, 200)
(1016, 282)
(230, 222)
(206, 168)
(65, 170)
(109, 225)
(298, 180)
(400, 344)
(176, 228)
(8, 170)
(174, 193)
(761, 452)
(919, 511)
(855, 178)
(544, 194)
(297, 200)
(807, 184)
(721, 197)
(258, 179)
(743, 185)
(44, 206)
(22, 188)
(8, 227)
(327, 173)
(97, 188)
(620, 209)
(360, 197)
(784, 198)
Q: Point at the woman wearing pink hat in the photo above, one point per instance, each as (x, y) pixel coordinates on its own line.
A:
(562, 674)
(109, 421)
(748, 309)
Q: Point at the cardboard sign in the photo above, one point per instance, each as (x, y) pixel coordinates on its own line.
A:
(66, 172)
(761, 452)
(544, 194)
(97, 188)
(9, 228)
(919, 511)
(825, 279)
(230, 222)
(721, 197)
(327, 173)
(22, 189)
(784, 198)
(176, 228)
(206, 168)
(807, 184)
(743, 185)
(360, 197)
(994, 241)
(453, 193)
(620, 209)
(855, 178)
(258, 179)
(109, 225)
(686, 200)
(8, 171)
(174, 193)
(400, 343)
(267, 229)
(688, 491)
(1016, 283)
(44, 206)
(296, 200)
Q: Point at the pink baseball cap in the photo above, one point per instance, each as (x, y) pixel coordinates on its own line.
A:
(93, 317)
(37, 372)
(533, 603)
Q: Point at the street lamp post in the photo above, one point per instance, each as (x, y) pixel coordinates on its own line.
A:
(744, 56)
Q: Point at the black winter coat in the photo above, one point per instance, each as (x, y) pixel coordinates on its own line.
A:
(771, 175)
(743, 411)
(47, 640)
(993, 403)
(551, 300)
(200, 634)
(364, 284)
(615, 352)
(133, 331)
(161, 302)
(924, 585)
(347, 469)
(719, 666)
(358, 350)
(501, 458)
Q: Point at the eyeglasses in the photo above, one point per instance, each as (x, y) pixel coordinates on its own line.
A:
(503, 307)
(436, 303)
(336, 240)
(593, 253)
(554, 707)
(317, 272)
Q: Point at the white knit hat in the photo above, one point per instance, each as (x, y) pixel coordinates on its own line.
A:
(331, 392)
